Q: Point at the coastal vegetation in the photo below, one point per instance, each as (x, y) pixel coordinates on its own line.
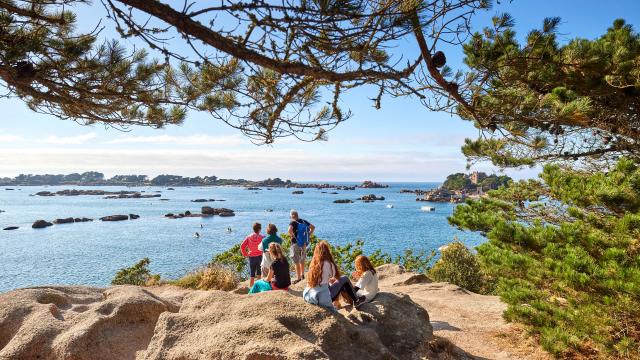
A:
(474, 181)
(565, 253)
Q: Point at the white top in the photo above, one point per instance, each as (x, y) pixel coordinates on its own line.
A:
(328, 271)
(368, 285)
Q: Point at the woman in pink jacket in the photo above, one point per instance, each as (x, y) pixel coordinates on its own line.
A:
(249, 248)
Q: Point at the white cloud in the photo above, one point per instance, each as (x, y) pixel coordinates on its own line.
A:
(251, 163)
(70, 140)
(10, 138)
(227, 140)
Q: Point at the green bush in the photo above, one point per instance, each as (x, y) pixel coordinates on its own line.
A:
(459, 266)
(566, 256)
(138, 274)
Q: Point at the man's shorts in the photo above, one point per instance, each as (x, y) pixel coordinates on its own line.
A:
(298, 254)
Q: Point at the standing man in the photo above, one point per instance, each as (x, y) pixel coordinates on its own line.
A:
(300, 231)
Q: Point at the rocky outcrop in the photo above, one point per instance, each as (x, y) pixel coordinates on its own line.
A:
(297, 192)
(371, 197)
(128, 322)
(64, 220)
(372, 185)
(115, 218)
(133, 196)
(133, 216)
(11, 228)
(39, 224)
(208, 210)
(78, 322)
(343, 201)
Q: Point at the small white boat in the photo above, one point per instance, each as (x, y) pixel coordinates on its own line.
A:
(427, 208)
(390, 206)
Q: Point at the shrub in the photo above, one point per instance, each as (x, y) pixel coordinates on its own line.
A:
(566, 254)
(231, 259)
(138, 274)
(212, 277)
(459, 266)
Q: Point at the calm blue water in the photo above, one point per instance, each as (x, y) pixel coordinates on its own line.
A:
(90, 253)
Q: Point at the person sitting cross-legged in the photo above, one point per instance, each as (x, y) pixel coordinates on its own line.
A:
(279, 277)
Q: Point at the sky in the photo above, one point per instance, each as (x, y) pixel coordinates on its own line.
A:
(402, 141)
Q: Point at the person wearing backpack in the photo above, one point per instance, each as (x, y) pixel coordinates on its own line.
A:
(300, 231)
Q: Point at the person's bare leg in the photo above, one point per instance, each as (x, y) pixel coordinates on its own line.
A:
(251, 282)
(299, 270)
(302, 270)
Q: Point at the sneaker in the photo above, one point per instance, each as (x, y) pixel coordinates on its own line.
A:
(359, 301)
(296, 281)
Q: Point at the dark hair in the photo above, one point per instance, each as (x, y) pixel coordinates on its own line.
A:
(272, 229)
(257, 227)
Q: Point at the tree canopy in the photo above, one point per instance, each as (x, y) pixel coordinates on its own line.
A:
(280, 69)
(544, 101)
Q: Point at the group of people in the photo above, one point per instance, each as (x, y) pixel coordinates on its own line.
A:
(325, 284)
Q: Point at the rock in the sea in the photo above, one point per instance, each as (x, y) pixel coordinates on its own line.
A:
(45, 193)
(208, 210)
(64, 220)
(202, 200)
(297, 192)
(11, 228)
(343, 201)
(39, 224)
(169, 215)
(371, 197)
(372, 185)
(133, 216)
(115, 218)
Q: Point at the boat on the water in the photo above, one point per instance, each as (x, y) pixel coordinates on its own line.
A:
(427, 208)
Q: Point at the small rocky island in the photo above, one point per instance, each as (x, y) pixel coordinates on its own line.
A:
(459, 187)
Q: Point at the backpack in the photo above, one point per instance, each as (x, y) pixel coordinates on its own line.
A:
(302, 235)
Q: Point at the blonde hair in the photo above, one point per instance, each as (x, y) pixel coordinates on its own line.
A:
(275, 250)
(321, 253)
(363, 264)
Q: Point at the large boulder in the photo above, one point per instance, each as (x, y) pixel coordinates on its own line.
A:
(129, 322)
(78, 322)
(279, 325)
(39, 224)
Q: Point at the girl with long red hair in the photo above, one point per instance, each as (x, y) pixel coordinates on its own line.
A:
(324, 281)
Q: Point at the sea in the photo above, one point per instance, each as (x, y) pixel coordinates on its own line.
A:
(90, 253)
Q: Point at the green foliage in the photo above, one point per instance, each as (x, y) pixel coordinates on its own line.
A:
(566, 253)
(138, 274)
(457, 181)
(458, 265)
(420, 262)
(540, 99)
(232, 259)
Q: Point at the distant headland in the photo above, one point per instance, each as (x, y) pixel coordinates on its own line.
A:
(459, 187)
(94, 178)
